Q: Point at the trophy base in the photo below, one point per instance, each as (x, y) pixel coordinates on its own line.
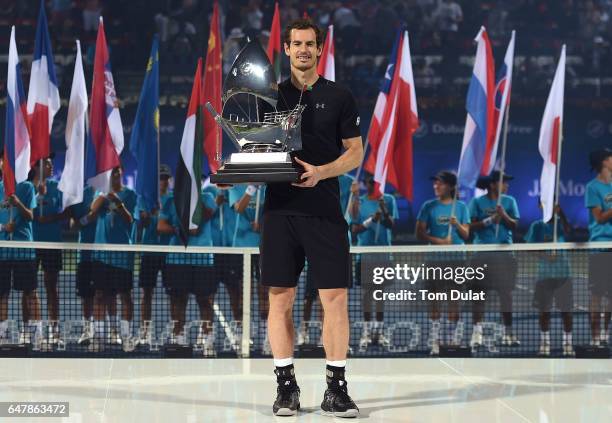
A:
(257, 168)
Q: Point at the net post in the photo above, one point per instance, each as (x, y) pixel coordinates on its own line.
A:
(246, 304)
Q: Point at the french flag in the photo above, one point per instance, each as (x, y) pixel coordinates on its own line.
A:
(16, 164)
(479, 135)
(105, 141)
(502, 100)
(43, 94)
(394, 122)
(549, 143)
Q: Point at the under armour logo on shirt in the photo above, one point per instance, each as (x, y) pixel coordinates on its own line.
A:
(287, 382)
(320, 105)
(340, 382)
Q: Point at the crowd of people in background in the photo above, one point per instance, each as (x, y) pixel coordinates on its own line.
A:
(441, 34)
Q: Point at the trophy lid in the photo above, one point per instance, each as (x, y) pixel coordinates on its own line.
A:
(252, 73)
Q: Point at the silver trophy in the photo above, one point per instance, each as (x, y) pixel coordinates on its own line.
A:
(264, 146)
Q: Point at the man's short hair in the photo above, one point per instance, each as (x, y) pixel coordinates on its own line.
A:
(302, 23)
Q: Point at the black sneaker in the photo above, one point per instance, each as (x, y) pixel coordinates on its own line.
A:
(338, 403)
(287, 400)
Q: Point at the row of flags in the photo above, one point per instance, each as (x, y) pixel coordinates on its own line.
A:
(92, 151)
(488, 105)
(395, 120)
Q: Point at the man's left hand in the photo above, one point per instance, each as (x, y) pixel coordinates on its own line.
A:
(310, 177)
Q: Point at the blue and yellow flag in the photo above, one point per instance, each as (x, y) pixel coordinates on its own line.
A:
(145, 134)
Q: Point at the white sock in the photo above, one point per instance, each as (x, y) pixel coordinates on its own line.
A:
(567, 338)
(3, 327)
(113, 322)
(337, 363)
(545, 337)
(98, 328)
(478, 328)
(126, 328)
(451, 328)
(283, 362)
(435, 330)
(38, 326)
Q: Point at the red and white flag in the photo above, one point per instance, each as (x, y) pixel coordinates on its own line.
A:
(550, 139)
(105, 127)
(16, 164)
(327, 65)
(394, 122)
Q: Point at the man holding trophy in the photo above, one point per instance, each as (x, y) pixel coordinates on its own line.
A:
(304, 220)
(299, 150)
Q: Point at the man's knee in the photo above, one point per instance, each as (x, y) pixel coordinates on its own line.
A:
(333, 298)
(281, 299)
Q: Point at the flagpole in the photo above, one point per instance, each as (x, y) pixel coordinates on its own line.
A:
(453, 207)
(11, 220)
(257, 206)
(158, 168)
(357, 175)
(503, 164)
(378, 228)
(557, 178)
(41, 181)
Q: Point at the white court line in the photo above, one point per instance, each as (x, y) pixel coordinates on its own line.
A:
(223, 322)
(108, 385)
(471, 380)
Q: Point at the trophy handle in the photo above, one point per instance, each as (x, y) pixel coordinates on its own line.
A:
(223, 124)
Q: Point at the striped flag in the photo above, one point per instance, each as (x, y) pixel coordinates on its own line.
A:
(212, 92)
(274, 44)
(502, 98)
(393, 124)
(327, 66)
(144, 143)
(105, 141)
(479, 134)
(374, 133)
(16, 163)
(188, 182)
(43, 94)
(73, 177)
(550, 139)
